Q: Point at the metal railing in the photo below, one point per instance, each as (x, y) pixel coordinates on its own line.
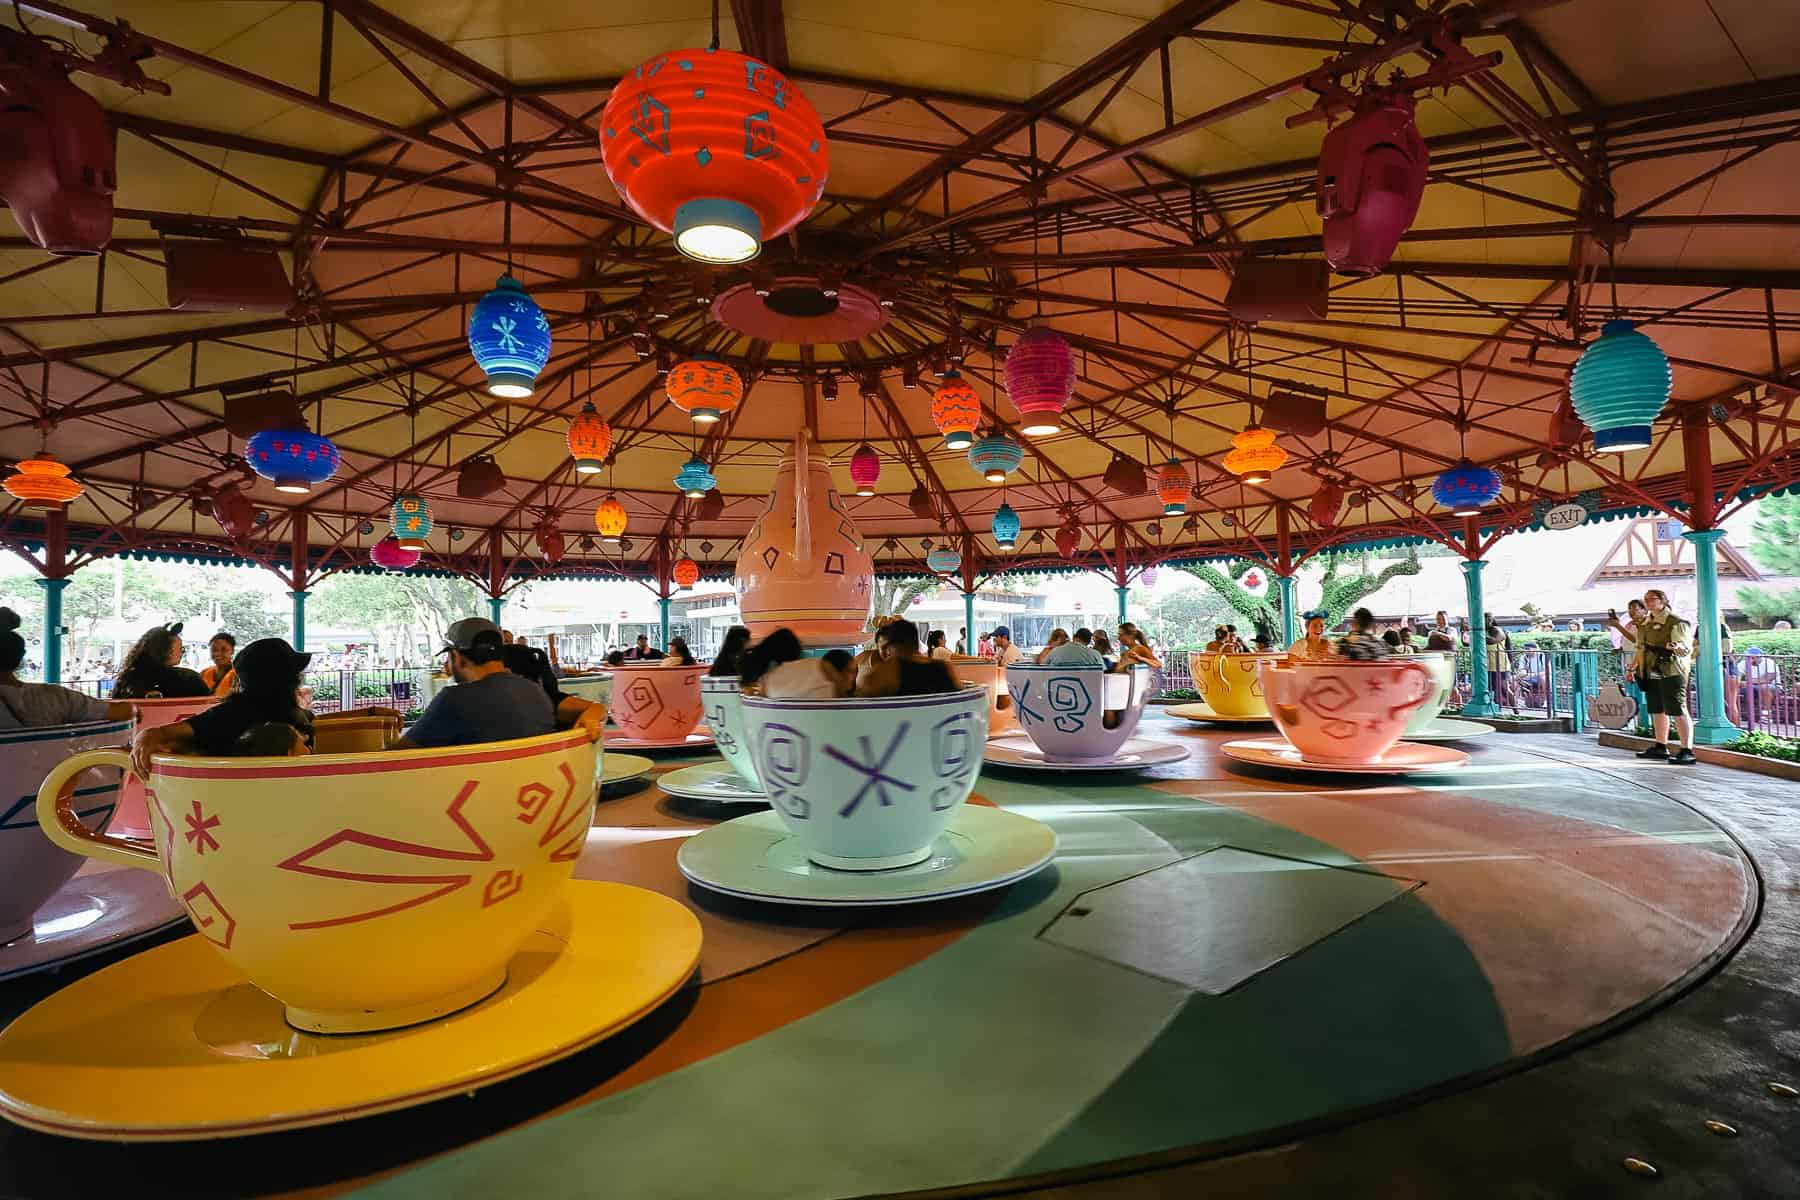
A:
(333, 690)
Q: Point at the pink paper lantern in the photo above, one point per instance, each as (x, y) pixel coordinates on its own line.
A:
(865, 469)
(1040, 377)
(389, 555)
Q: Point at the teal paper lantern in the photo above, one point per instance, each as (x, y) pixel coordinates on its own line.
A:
(1006, 526)
(996, 456)
(695, 479)
(943, 560)
(412, 521)
(1619, 387)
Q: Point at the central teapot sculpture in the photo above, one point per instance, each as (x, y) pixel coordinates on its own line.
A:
(804, 566)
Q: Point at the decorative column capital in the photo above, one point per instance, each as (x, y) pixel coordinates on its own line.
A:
(1704, 537)
(1472, 566)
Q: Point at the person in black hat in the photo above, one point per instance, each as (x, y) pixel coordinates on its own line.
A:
(489, 703)
(269, 673)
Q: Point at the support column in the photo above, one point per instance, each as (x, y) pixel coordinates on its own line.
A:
(298, 641)
(496, 608)
(662, 608)
(1711, 726)
(1481, 702)
(53, 597)
(1124, 593)
(971, 637)
(1287, 587)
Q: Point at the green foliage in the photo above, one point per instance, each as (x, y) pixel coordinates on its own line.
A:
(401, 611)
(1339, 589)
(1767, 745)
(1775, 545)
(895, 596)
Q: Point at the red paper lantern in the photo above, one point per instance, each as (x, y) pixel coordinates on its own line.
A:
(956, 411)
(1173, 488)
(865, 469)
(1325, 504)
(233, 511)
(1371, 177)
(686, 573)
(590, 440)
(551, 543)
(1068, 541)
(390, 555)
(716, 148)
(705, 389)
(1040, 377)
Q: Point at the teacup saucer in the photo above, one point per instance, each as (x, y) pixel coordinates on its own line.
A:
(618, 768)
(1017, 750)
(175, 1045)
(755, 858)
(1450, 729)
(1403, 759)
(698, 740)
(1202, 711)
(714, 781)
(89, 914)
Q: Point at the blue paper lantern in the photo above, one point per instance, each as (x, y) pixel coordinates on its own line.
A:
(695, 479)
(996, 456)
(1006, 526)
(943, 560)
(412, 521)
(294, 459)
(510, 339)
(1619, 387)
(1466, 489)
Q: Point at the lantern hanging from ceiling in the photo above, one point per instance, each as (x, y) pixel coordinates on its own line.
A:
(717, 148)
(1371, 177)
(42, 482)
(480, 476)
(1173, 487)
(1466, 489)
(1040, 377)
(1068, 541)
(390, 555)
(510, 339)
(1148, 576)
(996, 456)
(685, 573)
(1125, 476)
(919, 503)
(865, 469)
(944, 560)
(956, 411)
(1006, 526)
(412, 521)
(609, 518)
(1619, 387)
(233, 511)
(294, 459)
(590, 440)
(711, 506)
(695, 479)
(705, 389)
(551, 542)
(1256, 456)
(1325, 504)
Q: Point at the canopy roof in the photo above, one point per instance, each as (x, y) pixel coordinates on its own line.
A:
(1101, 168)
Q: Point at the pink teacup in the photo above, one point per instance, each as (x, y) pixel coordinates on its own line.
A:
(133, 818)
(991, 676)
(656, 703)
(1346, 711)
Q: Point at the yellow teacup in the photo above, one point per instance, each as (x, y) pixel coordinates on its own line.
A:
(363, 891)
(1229, 683)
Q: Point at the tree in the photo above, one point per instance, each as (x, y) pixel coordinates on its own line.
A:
(894, 596)
(401, 611)
(1775, 545)
(1338, 592)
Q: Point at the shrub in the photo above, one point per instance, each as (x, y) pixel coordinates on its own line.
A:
(1766, 745)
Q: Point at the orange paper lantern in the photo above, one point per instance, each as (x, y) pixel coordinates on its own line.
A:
(1256, 456)
(609, 518)
(590, 440)
(705, 389)
(1173, 488)
(956, 411)
(42, 482)
(686, 572)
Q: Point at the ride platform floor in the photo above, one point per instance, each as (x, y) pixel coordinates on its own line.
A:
(1500, 981)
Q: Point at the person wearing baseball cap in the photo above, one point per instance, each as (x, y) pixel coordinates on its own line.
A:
(1005, 653)
(489, 703)
(269, 673)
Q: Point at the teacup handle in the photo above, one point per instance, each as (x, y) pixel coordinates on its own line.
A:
(56, 814)
(1277, 683)
(1422, 673)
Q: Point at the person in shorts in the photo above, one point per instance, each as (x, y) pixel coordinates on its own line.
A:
(1666, 644)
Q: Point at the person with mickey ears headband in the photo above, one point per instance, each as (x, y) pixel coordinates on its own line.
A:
(34, 705)
(153, 669)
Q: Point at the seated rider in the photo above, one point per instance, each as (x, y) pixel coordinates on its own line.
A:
(489, 703)
(901, 668)
(1076, 652)
(269, 672)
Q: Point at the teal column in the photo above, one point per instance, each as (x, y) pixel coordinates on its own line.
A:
(662, 607)
(1288, 588)
(299, 639)
(53, 593)
(1481, 703)
(969, 623)
(1124, 593)
(1712, 727)
(496, 607)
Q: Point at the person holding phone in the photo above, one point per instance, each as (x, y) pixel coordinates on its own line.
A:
(1665, 649)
